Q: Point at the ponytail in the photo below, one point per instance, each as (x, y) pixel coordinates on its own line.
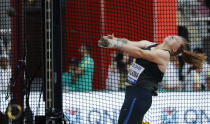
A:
(195, 59)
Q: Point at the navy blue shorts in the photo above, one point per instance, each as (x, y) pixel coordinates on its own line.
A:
(137, 102)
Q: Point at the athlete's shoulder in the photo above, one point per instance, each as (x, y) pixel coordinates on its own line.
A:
(147, 43)
(161, 54)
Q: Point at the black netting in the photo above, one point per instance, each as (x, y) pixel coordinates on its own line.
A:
(94, 81)
(21, 61)
(93, 78)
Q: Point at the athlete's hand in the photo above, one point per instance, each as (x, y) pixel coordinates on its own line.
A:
(103, 42)
(110, 41)
(110, 36)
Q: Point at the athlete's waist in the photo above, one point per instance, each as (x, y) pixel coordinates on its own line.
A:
(142, 84)
(150, 86)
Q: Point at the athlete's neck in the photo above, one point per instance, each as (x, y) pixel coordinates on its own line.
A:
(163, 46)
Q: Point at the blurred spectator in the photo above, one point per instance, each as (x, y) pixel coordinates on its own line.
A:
(84, 72)
(5, 72)
(5, 46)
(208, 83)
(206, 47)
(193, 82)
(123, 64)
(181, 66)
(67, 81)
(113, 78)
(207, 2)
(80, 79)
(204, 72)
(195, 75)
(202, 10)
(183, 31)
(171, 76)
(1, 46)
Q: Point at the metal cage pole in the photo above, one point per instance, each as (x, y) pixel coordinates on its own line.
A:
(57, 20)
(52, 53)
(49, 65)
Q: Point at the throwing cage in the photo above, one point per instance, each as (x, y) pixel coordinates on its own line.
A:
(52, 70)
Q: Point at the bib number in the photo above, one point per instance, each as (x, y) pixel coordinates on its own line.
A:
(134, 73)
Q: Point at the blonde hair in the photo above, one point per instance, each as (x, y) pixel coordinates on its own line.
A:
(195, 59)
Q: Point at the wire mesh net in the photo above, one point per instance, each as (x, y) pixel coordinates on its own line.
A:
(34, 79)
(94, 78)
(5, 47)
(21, 61)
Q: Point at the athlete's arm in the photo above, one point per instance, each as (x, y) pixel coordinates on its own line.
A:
(157, 56)
(140, 44)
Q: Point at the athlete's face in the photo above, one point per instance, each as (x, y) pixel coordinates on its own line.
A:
(174, 42)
